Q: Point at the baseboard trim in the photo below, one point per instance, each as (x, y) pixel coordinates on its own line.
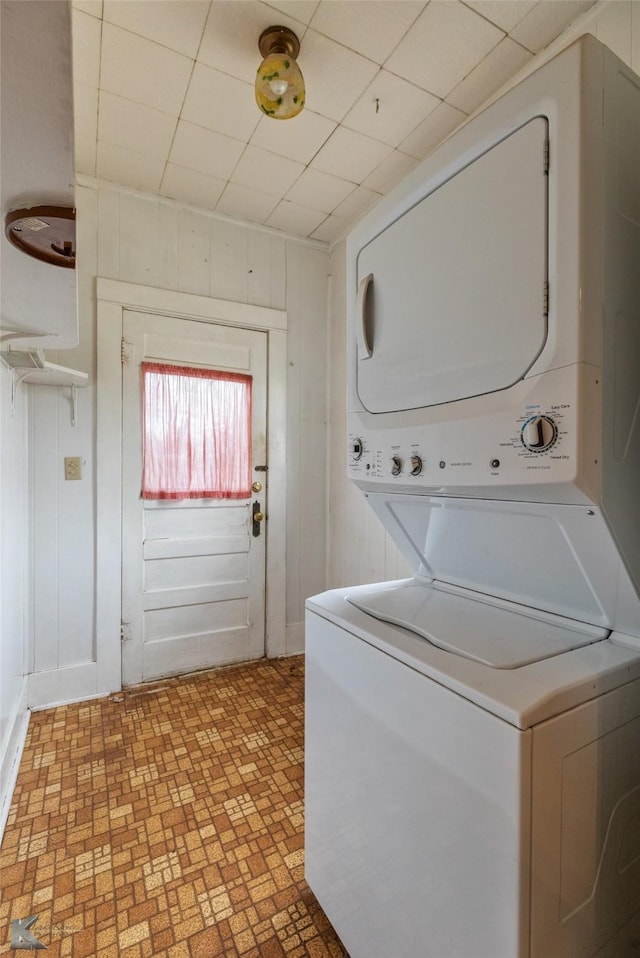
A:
(12, 753)
(77, 683)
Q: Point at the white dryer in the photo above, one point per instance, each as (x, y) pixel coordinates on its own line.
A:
(473, 733)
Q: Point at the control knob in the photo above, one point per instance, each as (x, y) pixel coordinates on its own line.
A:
(356, 448)
(396, 466)
(416, 465)
(539, 433)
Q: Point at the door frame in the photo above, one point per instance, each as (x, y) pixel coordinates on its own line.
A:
(113, 298)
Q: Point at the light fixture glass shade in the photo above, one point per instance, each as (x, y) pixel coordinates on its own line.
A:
(279, 84)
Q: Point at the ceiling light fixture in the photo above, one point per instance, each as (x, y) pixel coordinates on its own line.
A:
(44, 232)
(279, 82)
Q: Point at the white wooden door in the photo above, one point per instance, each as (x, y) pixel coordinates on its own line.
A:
(193, 570)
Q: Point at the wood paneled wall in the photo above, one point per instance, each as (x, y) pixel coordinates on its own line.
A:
(139, 239)
(14, 587)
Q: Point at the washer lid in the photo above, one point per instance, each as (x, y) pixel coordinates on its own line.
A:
(497, 635)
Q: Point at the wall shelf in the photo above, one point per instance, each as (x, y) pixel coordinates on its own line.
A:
(53, 375)
(50, 374)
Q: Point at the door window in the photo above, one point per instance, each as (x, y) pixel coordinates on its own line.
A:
(196, 433)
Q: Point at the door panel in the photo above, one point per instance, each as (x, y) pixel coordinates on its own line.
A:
(166, 548)
(456, 307)
(185, 572)
(193, 588)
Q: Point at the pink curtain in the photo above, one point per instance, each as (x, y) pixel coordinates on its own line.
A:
(197, 433)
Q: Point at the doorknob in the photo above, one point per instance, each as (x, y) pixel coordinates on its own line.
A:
(257, 517)
(256, 486)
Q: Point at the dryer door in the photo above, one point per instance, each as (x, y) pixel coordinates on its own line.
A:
(452, 297)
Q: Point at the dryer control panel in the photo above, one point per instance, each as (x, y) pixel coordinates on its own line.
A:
(538, 442)
(500, 455)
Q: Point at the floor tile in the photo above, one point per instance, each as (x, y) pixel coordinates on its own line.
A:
(167, 822)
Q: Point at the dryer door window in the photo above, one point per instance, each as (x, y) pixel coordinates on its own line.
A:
(456, 304)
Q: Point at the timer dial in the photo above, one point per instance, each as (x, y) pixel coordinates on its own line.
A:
(396, 466)
(539, 433)
(356, 448)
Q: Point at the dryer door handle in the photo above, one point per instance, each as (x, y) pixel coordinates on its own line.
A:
(363, 339)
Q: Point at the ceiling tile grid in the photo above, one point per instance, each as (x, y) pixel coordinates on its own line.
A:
(164, 99)
(447, 41)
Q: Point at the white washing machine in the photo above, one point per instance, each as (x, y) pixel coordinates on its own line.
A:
(473, 733)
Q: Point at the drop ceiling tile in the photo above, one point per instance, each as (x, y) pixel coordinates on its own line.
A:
(433, 130)
(320, 191)
(134, 126)
(245, 203)
(205, 151)
(504, 13)
(299, 138)
(220, 102)
(86, 32)
(372, 29)
(92, 7)
(294, 218)
(546, 21)
(191, 187)
(392, 169)
(329, 229)
(154, 75)
(128, 168)
(85, 117)
(230, 38)
(301, 10)
(350, 155)
(266, 172)
(389, 108)
(447, 41)
(491, 73)
(178, 26)
(356, 204)
(334, 77)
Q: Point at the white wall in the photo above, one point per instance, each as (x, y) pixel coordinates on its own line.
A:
(359, 550)
(139, 239)
(14, 598)
(618, 27)
(307, 310)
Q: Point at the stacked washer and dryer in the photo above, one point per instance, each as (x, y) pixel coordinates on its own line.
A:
(473, 733)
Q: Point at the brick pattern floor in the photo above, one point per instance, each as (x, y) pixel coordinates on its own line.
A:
(167, 821)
